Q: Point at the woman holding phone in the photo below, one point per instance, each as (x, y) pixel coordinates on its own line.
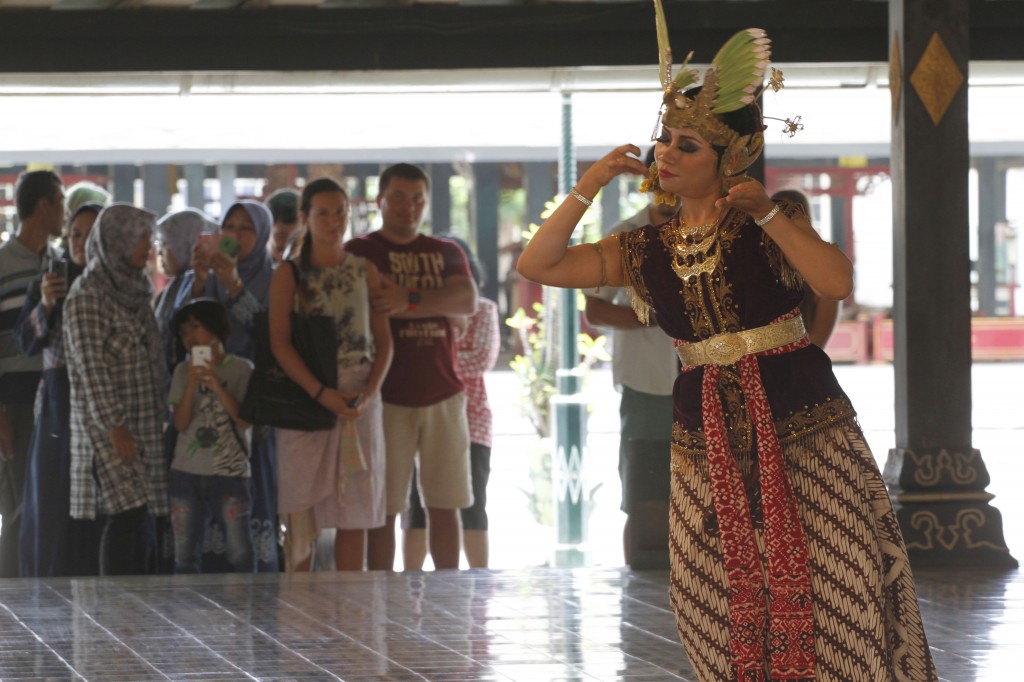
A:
(51, 542)
(334, 478)
(234, 268)
(176, 235)
(234, 271)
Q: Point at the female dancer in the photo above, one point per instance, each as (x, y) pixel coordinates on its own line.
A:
(776, 499)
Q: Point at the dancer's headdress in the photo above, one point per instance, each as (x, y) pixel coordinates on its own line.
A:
(734, 80)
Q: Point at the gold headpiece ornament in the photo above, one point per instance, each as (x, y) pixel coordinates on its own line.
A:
(734, 80)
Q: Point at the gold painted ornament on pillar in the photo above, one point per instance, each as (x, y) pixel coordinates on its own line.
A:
(936, 78)
(895, 77)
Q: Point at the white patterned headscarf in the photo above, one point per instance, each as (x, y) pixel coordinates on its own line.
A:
(109, 249)
(177, 232)
(108, 271)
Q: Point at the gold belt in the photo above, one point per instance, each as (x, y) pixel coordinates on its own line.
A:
(727, 348)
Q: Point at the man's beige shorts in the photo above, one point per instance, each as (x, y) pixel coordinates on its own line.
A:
(439, 434)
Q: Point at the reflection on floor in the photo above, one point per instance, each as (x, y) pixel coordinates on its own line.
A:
(527, 624)
(541, 624)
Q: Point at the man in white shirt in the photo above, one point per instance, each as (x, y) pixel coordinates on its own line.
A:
(644, 361)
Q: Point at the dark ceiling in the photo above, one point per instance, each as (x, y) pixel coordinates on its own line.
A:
(372, 35)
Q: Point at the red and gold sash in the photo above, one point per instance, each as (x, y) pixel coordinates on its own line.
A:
(779, 618)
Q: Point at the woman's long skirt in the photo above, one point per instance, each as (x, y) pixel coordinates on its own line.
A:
(867, 620)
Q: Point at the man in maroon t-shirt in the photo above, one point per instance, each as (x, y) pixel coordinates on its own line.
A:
(425, 280)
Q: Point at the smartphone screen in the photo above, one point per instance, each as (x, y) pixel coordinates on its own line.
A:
(202, 356)
(59, 267)
(229, 246)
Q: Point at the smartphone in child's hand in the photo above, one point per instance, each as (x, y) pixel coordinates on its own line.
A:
(202, 356)
(355, 402)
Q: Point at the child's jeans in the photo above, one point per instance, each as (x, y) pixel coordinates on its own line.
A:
(194, 501)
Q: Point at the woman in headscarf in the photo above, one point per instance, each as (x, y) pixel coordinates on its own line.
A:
(51, 542)
(84, 192)
(116, 369)
(176, 234)
(242, 284)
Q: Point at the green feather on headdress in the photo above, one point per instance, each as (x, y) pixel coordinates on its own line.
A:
(737, 70)
(664, 49)
(686, 77)
(739, 66)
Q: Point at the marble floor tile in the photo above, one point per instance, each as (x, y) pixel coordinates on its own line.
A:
(601, 623)
(538, 624)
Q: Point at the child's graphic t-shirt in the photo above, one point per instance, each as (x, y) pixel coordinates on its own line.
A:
(213, 445)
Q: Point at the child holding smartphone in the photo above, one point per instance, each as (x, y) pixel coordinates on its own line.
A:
(210, 474)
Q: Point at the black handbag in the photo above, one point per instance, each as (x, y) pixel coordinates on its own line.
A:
(272, 398)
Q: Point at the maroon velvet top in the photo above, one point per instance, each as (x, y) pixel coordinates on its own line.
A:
(750, 285)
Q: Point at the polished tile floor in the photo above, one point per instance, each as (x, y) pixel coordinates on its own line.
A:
(527, 621)
(536, 625)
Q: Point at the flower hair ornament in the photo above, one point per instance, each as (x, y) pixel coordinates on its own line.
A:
(734, 80)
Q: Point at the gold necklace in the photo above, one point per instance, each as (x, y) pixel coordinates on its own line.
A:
(692, 251)
(688, 231)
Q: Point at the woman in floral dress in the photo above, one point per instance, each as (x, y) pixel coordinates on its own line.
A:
(335, 478)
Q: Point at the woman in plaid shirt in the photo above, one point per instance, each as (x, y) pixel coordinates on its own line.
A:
(116, 366)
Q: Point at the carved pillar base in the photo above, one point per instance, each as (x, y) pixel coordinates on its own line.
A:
(943, 509)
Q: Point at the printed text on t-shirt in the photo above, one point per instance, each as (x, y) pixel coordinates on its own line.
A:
(418, 270)
(423, 330)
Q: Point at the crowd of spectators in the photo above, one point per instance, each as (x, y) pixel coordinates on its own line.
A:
(123, 446)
